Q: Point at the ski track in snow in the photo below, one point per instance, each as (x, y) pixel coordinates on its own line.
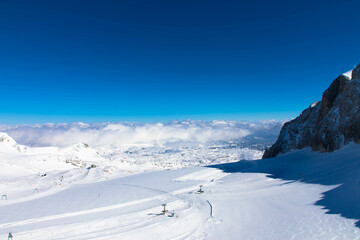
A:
(126, 225)
(200, 216)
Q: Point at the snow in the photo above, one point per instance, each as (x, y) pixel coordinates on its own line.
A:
(314, 104)
(348, 73)
(299, 195)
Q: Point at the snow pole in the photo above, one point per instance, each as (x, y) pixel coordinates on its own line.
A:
(164, 211)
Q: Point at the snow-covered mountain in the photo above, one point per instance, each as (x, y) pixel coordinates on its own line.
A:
(328, 124)
(8, 144)
(18, 160)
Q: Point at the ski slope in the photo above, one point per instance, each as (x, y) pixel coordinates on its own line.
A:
(314, 196)
(233, 206)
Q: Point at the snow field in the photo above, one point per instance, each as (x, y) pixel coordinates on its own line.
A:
(118, 200)
(233, 206)
(84, 207)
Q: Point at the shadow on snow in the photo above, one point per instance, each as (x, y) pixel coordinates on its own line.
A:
(341, 168)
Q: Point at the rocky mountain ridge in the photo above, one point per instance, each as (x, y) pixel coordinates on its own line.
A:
(326, 125)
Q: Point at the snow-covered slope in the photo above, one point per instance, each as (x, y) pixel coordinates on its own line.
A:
(340, 168)
(68, 163)
(239, 201)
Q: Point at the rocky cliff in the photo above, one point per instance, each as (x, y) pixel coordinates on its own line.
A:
(326, 125)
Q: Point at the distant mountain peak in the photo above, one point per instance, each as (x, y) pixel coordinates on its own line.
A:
(7, 144)
(5, 138)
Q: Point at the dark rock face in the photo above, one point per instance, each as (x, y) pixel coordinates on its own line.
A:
(329, 96)
(326, 125)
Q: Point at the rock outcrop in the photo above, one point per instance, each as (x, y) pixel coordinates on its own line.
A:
(326, 125)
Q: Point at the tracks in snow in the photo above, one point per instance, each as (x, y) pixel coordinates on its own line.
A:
(140, 221)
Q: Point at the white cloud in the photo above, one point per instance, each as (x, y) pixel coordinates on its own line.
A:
(127, 133)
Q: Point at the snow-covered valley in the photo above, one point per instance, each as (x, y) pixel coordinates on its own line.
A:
(86, 190)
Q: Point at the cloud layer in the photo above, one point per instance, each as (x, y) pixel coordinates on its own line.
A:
(130, 133)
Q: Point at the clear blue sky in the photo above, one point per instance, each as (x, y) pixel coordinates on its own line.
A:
(64, 61)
